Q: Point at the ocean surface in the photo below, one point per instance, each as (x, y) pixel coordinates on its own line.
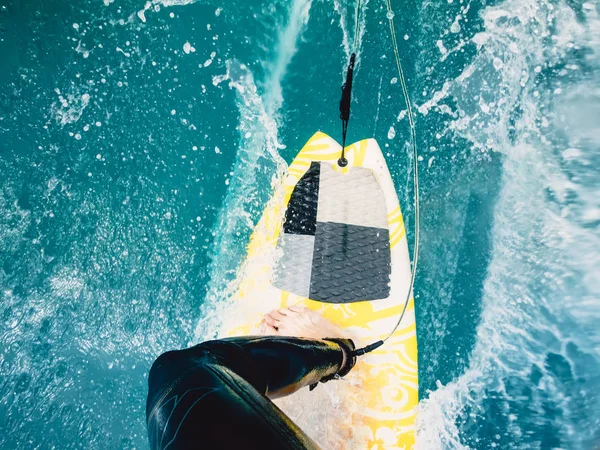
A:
(138, 144)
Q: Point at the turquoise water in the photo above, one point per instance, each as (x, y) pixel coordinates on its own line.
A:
(138, 143)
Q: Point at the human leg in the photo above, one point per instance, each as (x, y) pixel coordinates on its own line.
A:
(214, 395)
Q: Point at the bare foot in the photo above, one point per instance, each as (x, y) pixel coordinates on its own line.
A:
(299, 321)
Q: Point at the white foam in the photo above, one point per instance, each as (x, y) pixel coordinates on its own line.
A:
(188, 48)
(455, 27)
(287, 40)
(341, 10)
(155, 5)
(391, 133)
(540, 286)
(440, 45)
(69, 107)
(347, 24)
(572, 153)
(67, 283)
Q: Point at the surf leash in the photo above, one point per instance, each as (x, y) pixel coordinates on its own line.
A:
(345, 108)
(413, 143)
(347, 89)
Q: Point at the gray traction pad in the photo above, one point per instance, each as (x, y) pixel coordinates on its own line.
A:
(335, 243)
(354, 198)
(292, 274)
(350, 263)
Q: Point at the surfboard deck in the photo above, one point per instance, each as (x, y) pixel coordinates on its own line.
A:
(333, 239)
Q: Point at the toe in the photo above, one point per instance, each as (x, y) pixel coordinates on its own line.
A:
(270, 330)
(278, 314)
(299, 309)
(265, 329)
(271, 321)
(288, 312)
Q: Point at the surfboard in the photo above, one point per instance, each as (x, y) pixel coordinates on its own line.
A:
(333, 239)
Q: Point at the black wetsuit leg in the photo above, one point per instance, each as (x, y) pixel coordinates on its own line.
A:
(213, 395)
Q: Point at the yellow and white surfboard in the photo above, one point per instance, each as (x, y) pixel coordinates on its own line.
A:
(333, 239)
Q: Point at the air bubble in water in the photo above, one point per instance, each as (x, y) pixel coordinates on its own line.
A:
(391, 133)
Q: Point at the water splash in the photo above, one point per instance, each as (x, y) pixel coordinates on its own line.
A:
(69, 107)
(257, 168)
(154, 5)
(536, 342)
(348, 26)
(287, 39)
